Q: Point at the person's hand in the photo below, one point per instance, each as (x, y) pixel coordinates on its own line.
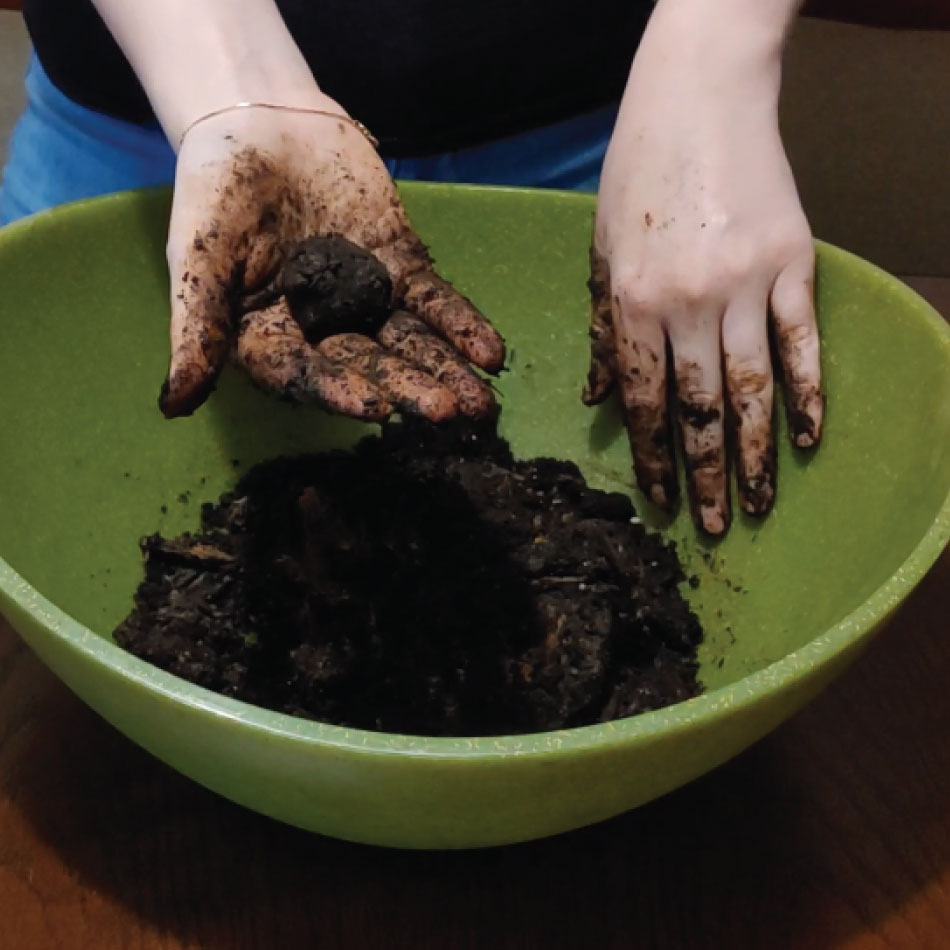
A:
(699, 238)
(252, 184)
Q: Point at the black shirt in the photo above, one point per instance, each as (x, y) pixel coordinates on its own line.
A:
(425, 75)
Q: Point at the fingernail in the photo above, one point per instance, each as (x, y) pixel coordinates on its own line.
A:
(183, 392)
(167, 402)
(376, 409)
(712, 519)
(804, 428)
(756, 496)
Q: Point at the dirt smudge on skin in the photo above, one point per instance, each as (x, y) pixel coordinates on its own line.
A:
(402, 383)
(410, 339)
(601, 374)
(804, 406)
(701, 427)
(804, 399)
(697, 415)
(272, 348)
(648, 424)
(756, 479)
(750, 393)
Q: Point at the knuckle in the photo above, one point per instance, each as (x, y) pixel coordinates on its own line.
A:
(644, 405)
(655, 296)
(702, 431)
(693, 387)
(791, 241)
(705, 464)
(641, 379)
(742, 261)
(701, 416)
(796, 336)
(642, 368)
(793, 307)
(637, 294)
(747, 377)
(673, 288)
(695, 287)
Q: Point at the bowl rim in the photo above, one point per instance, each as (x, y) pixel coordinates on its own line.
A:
(704, 709)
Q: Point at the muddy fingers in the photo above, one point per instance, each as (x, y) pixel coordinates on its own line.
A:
(749, 385)
(409, 387)
(272, 348)
(796, 333)
(700, 413)
(455, 318)
(602, 372)
(411, 340)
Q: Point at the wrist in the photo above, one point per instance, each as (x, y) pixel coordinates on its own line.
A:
(763, 22)
(724, 38)
(195, 58)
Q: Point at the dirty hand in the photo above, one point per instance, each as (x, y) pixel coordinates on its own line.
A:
(699, 238)
(251, 185)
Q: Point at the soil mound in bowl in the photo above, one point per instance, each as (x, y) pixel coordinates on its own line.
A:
(426, 583)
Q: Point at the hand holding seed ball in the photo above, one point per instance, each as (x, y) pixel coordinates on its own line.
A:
(290, 251)
(332, 286)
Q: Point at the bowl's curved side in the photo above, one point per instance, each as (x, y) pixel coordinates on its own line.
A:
(417, 799)
(409, 792)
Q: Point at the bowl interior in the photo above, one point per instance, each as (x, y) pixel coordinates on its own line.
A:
(88, 465)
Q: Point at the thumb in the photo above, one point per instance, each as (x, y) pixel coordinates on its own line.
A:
(204, 252)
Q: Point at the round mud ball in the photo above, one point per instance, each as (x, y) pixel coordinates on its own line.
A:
(334, 286)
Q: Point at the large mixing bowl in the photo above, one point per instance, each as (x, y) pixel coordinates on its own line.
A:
(87, 464)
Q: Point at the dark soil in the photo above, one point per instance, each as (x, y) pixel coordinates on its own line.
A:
(332, 286)
(425, 583)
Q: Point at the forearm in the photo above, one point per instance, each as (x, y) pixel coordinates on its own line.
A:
(194, 57)
(722, 51)
(743, 22)
(740, 33)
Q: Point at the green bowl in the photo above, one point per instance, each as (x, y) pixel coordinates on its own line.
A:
(88, 465)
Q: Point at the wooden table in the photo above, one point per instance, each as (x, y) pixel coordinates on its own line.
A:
(833, 832)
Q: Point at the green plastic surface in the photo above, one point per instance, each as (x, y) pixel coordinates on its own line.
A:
(87, 463)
